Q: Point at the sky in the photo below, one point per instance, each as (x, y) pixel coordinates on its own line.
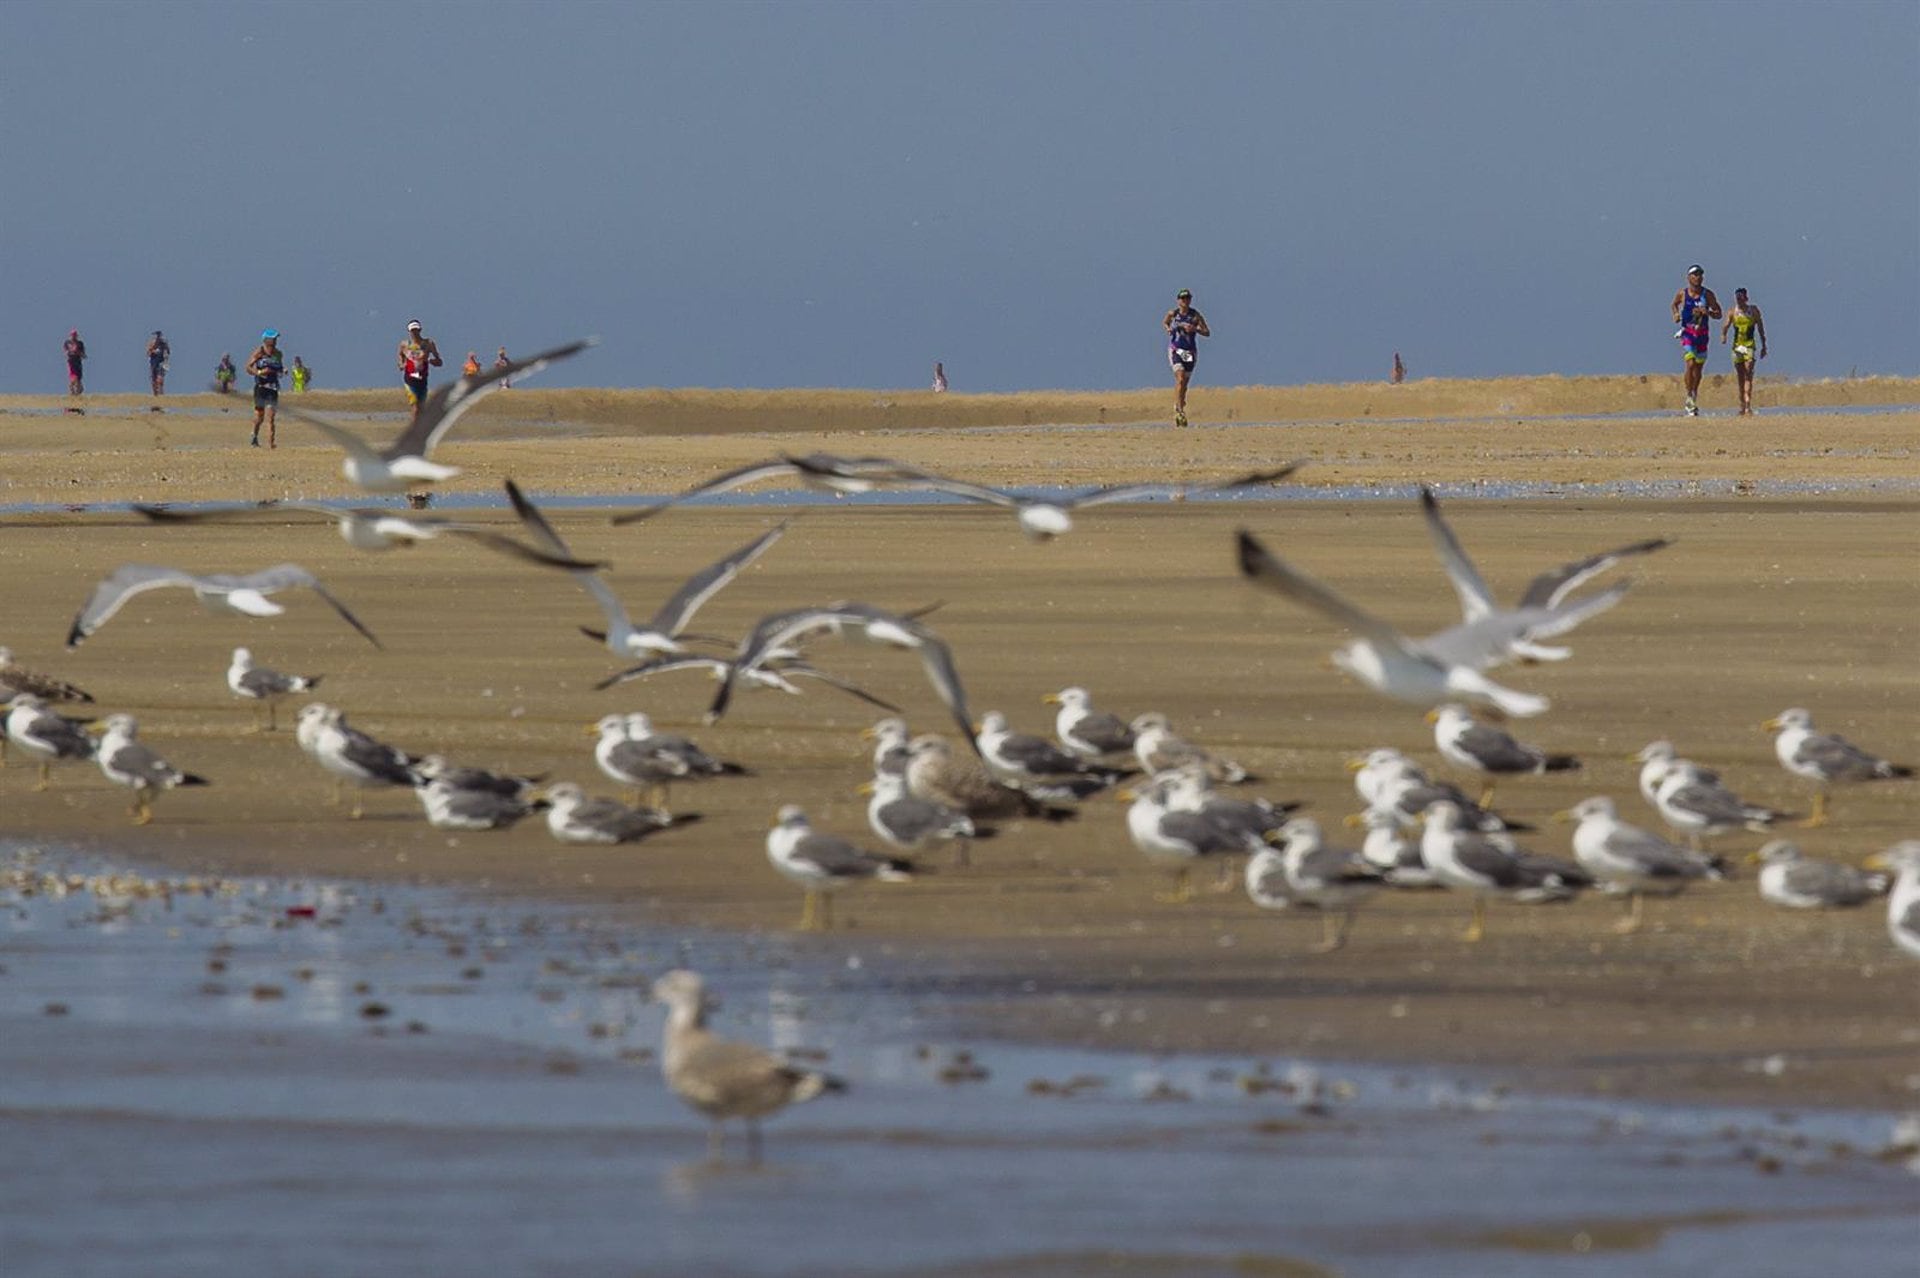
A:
(839, 194)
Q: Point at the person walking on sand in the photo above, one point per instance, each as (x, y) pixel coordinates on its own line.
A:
(416, 355)
(501, 361)
(1694, 310)
(301, 375)
(1399, 369)
(158, 353)
(1185, 327)
(1749, 344)
(265, 365)
(472, 367)
(224, 372)
(939, 378)
(76, 352)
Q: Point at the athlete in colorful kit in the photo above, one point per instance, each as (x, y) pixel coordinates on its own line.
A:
(1749, 344)
(1185, 327)
(76, 353)
(265, 366)
(1694, 310)
(416, 355)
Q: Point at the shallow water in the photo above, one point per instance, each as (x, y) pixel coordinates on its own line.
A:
(200, 1084)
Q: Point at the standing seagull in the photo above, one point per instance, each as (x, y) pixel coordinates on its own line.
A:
(1903, 904)
(823, 865)
(30, 724)
(1492, 865)
(720, 1079)
(661, 634)
(822, 472)
(1480, 747)
(631, 752)
(1825, 758)
(125, 761)
(351, 755)
(1044, 518)
(1625, 858)
(15, 677)
(1548, 590)
(257, 683)
(1697, 803)
(1174, 840)
(1335, 880)
(913, 824)
(1801, 883)
(452, 807)
(403, 464)
(1038, 766)
(1159, 750)
(936, 774)
(245, 594)
(1443, 667)
(1089, 733)
(575, 818)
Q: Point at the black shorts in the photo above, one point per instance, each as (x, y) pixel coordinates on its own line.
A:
(266, 396)
(1178, 359)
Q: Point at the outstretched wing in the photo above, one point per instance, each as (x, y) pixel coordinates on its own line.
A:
(679, 608)
(293, 576)
(352, 443)
(1133, 492)
(445, 406)
(1554, 585)
(119, 586)
(1264, 568)
(737, 478)
(1476, 599)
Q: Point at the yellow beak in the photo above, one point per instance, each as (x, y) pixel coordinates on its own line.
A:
(1356, 765)
(593, 730)
(1052, 699)
(1771, 725)
(1879, 861)
(1432, 716)
(1353, 820)
(866, 788)
(1562, 818)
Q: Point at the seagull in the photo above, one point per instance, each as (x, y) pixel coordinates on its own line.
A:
(1266, 880)
(30, 724)
(372, 528)
(1695, 802)
(1480, 747)
(724, 1080)
(1549, 590)
(1391, 783)
(823, 864)
(913, 824)
(1492, 865)
(1036, 765)
(15, 677)
(1044, 518)
(890, 746)
(822, 472)
(574, 818)
(1190, 789)
(1087, 732)
(1799, 882)
(1388, 850)
(935, 774)
(351, 755)
(1655, 758)
(1334, 880)
(1159, 750)
(631, 752)
(1825, 759)
(453, 807)
(245, 594)
(257, 683)
(1444, 667)
(661, 634)
(1903, 903)
(507, 785)
(781, 631)
(1173, 839)
(403, 464)
(125, 761)
(1625, 858)
(776, 674)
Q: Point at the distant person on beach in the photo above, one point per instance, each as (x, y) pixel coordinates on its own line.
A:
(265, 365)
(158, 353)
(1694, 310)
(1399, 369)
(416, 355)
(472, 367)
(1185, 327)
(224, 372)
(76, 352)
(939, 378)
(501, 361)
(301, 375)
(1749, 344)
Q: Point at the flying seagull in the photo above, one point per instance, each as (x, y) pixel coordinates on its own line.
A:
(403, 464)
(776, 674)
(822, 472)
(245, 594)
(1549, 590)
(1044, 518)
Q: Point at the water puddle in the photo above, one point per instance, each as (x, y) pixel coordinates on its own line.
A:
(255, 1076)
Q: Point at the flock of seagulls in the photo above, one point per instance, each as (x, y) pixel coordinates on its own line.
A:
(929, 792)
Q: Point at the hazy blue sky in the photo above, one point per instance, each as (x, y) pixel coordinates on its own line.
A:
(839, 194)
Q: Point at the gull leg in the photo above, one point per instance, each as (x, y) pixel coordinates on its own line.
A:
(1477, 930)
(1229, 877)
(1182, 889)
(962, 852)
(1486, 793)
(273, 724)
(46, 775)
(358, 810)
(1631, 923)
(142, 810)
(807, 912)
(1332, 935)
(1819, 815)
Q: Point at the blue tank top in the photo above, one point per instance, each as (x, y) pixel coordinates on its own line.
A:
(1184, 339)
(1693, 310)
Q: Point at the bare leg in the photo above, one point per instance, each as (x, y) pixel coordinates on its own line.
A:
(962, 852)
(1631, 923)
(1180, 378)
(1819, 815)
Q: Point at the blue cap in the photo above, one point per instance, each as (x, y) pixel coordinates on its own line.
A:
(272, 332)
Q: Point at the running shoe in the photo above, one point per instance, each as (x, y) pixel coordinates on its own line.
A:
(1180, 419)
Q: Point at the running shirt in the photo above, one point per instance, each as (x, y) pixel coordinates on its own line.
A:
(1693, 313)
(158, 352)
(413, 356)
(76, 352)
(1183, 338)
(267, 367)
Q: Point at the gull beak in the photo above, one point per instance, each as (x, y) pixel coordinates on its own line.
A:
(593, 730)
(95, 729)
(1562, 818)
(1431, 716)
(1754, 858)
(1356, 765)
(1771, 725)
(1052, 699)
(1878, 861)
(1633, 758)
(1125, 796)
(866, 787)
(1353, 820)
(868, 734)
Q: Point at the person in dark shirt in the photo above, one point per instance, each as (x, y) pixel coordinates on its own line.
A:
(265, 365)
(158, 353)
(76, 351)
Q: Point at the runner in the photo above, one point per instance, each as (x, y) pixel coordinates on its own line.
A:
(939, 378)
(266, 365)
(1744, 319)
(501, 361)
(301, 375)
(1185, 327)
(76, 352)
(417, 354)
(158, 353)
(224, 372)
(1694, 310)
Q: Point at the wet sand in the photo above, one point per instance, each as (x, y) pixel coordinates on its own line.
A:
(1054, 933)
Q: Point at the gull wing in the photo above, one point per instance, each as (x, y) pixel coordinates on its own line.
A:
(1488, 641)
(780, 630)
(290, 576)
(1653, 854)
(1497, 751)
(1836, 757)
(263, 510)
(945, 677)
(1132, 492)
(679, 608)
(736, 478)
(1264, 568)
(663, 665)
(340, 435)
(119, 586)
(983, 493)
(520, 550)
(836, 858)
(800, 670)
(445, 406)
(1551, 587)
(1476, 599)
(547, 539)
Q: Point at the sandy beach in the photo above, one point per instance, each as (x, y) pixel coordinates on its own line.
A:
(1765, 601)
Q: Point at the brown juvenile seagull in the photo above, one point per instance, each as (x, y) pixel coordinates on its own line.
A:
(725, 1080)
